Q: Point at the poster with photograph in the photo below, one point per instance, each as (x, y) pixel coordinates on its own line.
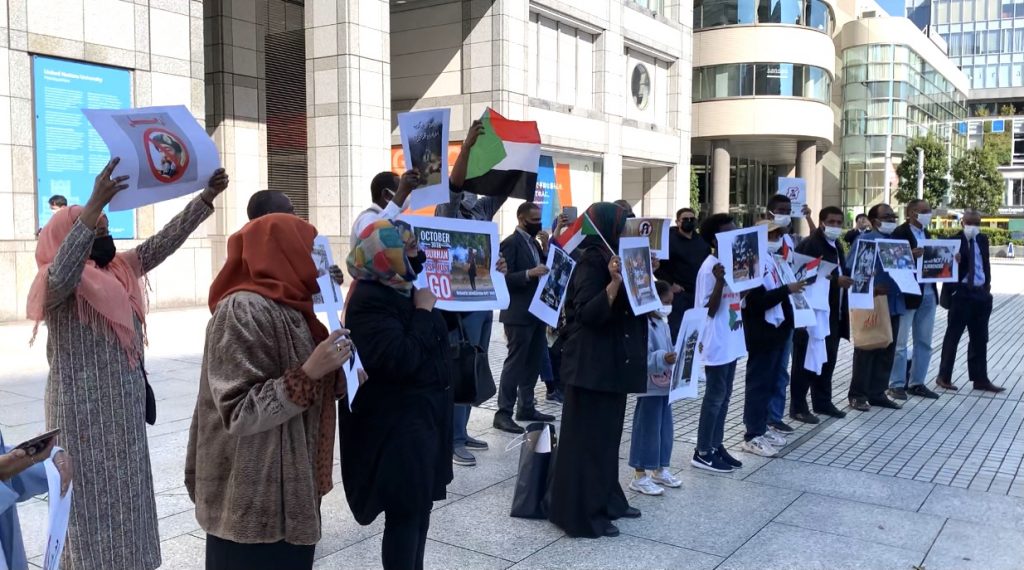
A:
(425, 146)
(805, 267)
(654, 229)
(938, 263)
(352, 367)
(803, 312)
(895, 254)
(741, 253)
(550, 296)
(164, 150)
(796, 190)
(638, 275)
(863, 290)
(461, 267)
(686, 372)
(329, 299)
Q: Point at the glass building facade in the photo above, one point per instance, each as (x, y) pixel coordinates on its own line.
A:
(985, 38)
(761, 79)
(809, 13)
(889, 88)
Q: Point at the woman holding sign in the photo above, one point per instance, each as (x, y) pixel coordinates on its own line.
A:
(603, 360)
(92, 300)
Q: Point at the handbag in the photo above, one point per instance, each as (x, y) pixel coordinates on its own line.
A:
(871, 337)
(472, 381)
(530, 499)
(150, 399)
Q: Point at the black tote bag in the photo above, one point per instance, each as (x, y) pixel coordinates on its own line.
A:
(472, 381)
(529, 500)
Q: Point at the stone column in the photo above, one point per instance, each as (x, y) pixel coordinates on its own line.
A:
(807, 168)
(720, 170)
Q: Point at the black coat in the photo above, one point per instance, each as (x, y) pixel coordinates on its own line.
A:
(948, 289)
(521, 287)
(396, 443)
(605, 345)
(762, 336)
(903, 231)
(815, 245)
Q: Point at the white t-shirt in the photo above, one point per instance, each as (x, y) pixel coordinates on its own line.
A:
(371, 215)
(722, 340)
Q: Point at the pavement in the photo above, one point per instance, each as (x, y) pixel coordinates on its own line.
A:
(937, 485)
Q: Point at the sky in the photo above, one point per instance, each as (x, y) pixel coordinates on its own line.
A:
(894, 7)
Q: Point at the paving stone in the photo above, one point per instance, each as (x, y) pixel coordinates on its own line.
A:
(983, 508)
(437, 555)
(622, 553)
(970, 546)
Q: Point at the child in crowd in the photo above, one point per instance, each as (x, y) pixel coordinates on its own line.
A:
(721, 346)
(651, 446)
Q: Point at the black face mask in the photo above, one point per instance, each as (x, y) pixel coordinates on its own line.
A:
(417, 262)
(532, 229)
(688, 226)
(103, 251)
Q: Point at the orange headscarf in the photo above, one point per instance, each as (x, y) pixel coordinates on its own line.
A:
(106, 299)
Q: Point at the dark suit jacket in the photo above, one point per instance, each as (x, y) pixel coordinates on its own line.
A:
(966, 258)
(903, 231)
(815, 245)
(520, 287)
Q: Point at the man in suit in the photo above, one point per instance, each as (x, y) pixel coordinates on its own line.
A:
(909, 371)
(969, 302)
(524, 332)
(861, 225)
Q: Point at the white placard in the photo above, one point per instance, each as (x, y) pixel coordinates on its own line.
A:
(461, 267)
(638, 275)
(686, 372)
(57, 517)
(550, 295)
(906, 281)
(351, 368)
(740, 252)
(803, 312)
(654, 229)
(863, 274)
(425, 145)
(164, 150)
(796, 190)
(938, 263)
(329, 299)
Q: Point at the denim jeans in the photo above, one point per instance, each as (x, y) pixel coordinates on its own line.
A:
(920, 323)
(761, 384)
(478, 330)
(715, 406)
(777, 404)
(651, 445)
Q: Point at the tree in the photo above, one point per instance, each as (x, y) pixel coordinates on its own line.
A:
(935, 183)
(694, 192)
(1007, 110)
(979, 184)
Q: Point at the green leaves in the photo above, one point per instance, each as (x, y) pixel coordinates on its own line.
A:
(935, 184)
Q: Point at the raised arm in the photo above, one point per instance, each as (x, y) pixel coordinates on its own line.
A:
(458, 175)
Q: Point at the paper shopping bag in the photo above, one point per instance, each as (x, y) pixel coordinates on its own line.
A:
(871, 330)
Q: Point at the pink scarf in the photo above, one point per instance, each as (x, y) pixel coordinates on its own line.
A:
(106, 299)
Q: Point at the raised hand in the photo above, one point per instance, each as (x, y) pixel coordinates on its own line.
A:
(217, 184)
(719, 272)
(103, 191)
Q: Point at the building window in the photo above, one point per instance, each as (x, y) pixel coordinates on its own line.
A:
(647, 87)
(640, 86)
(569, 79)
(761, 79)
(814, 14)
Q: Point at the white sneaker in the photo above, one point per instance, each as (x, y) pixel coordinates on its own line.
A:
(758, 446)
(665, 478)
(774, 438)
(645, 485)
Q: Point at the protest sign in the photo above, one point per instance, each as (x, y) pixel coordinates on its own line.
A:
(654, 229)
(550, 296)
(58, 516)
(938, 263)
(863, 290)
(895, 254)
(461, 267)
(803, 313)
(329, 299)
(163, 150)
(638, 275)
(741, 253)
(686, 372)
(796, 190)
(805, 267)
(425, 146)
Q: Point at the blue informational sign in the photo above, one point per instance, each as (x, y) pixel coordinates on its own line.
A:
(998, 126)
(546, 194)
(69, 152)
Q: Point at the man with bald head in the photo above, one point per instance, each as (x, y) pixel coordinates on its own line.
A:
(266, 202)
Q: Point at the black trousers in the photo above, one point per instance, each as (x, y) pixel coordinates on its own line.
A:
(803, 380)
(526, 347)
(970, 309)
(871, 369)
(761, 383)
(405, 540)
(680, 304)
(224, 554)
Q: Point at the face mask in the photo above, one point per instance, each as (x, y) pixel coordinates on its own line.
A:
(832, 234)
(783, 220)
(532, 229)
(417, 262)
(887, 227)
(103, 251)
(774, 246)
(924, 219)
(665, 310)
(688, 226)
(971, 232)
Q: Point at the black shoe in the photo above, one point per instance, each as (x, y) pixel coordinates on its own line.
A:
(781, 427)
(710, 462)
(831, 411)
(859, 405)
(505, 423)
(462, 457)
(805, 417)
(611, 531)
(923, 392)
(731, 461)
(885, 403)
(473, 443)
(631, 513)
(987, 386)
(555, 397)
(896, 393)
(533, 416)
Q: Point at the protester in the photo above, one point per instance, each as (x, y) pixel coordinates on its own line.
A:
(909, 371)
(686, 253)
(625, 205)
(823, 243)
(390, 196)
(23, 476)
(861, 226)
(94, 306)
(722, 344)
(57, 202)
(969, 302)
(871, 368)
(650, 448)
(767, 327)
(603, 359)
(525, 333)
(396, 441)
(262, 435)
(265, 202)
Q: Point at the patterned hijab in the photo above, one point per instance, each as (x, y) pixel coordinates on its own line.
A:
(379, 255)
(610, 220)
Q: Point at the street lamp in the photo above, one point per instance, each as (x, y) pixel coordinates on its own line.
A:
(920, 173)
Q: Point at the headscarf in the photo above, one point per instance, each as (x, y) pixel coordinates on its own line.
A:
(108, 299)
(379, 255)
(610, 220)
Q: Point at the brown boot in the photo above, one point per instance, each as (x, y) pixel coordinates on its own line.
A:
(945, 384)
(986, 385)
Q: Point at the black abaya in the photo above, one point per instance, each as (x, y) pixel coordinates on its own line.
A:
(224, 554)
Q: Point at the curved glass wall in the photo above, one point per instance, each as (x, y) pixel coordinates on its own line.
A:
(762, 80)
(808, 13)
